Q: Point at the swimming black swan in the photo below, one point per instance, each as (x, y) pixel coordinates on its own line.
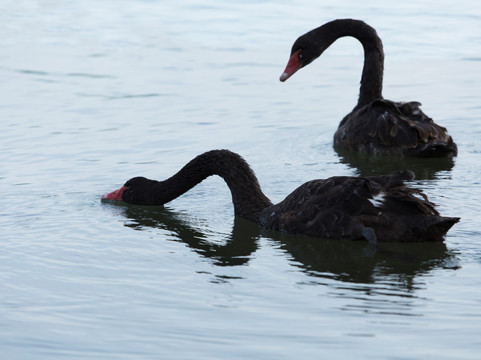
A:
(375, 125)
(376, 208)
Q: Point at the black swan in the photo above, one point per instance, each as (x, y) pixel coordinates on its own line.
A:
(375, 125)
(375, 208)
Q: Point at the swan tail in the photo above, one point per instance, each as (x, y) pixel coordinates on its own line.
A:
(438, 228)
(437, 149)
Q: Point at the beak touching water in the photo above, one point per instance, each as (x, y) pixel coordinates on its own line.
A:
(115, 195)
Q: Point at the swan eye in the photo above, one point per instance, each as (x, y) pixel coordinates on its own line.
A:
(300, 57)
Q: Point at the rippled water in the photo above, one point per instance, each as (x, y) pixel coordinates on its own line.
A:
(95, 92)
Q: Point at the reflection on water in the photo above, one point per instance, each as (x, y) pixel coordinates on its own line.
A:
(96, 93)
(360, 262)
(238, 246)
(366, 164)
(345, 261)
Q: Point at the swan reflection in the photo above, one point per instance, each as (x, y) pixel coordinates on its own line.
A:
(344, 261)
(367, 165)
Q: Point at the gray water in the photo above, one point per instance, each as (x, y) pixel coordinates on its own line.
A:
(96, 92)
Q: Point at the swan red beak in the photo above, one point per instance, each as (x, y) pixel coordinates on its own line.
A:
(292, 66)
(115, 195)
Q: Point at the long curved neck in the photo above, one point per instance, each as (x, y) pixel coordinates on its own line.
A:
(372, 72)
(247, 195)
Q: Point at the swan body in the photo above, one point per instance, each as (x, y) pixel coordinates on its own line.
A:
(376, 208)
(375, 125)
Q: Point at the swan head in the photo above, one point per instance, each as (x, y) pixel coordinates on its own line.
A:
(305, 50)
(138, 190)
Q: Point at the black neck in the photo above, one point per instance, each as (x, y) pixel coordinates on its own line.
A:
(372, 73)
(247, 195)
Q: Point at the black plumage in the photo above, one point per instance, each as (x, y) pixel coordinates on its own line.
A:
(375, 208)
(375, 125)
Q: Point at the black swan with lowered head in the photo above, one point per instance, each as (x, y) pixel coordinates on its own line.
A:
(375, 208)
(375, 125)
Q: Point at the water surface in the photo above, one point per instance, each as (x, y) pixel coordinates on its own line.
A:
(94, 93)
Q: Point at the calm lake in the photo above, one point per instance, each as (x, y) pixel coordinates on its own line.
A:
(96, 92)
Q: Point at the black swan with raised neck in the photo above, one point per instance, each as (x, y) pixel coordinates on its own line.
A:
(375, 125)
(374, 208)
